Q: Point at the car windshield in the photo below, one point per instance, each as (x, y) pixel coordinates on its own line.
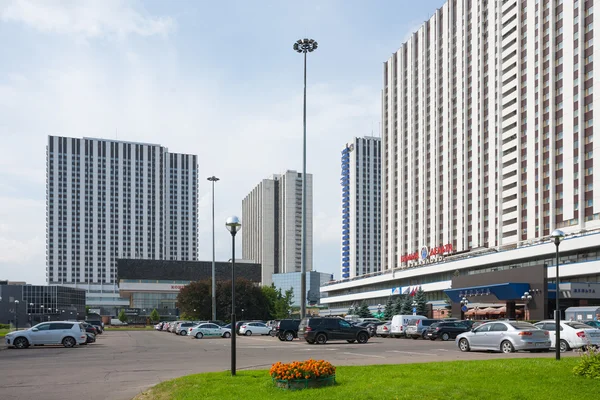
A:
(577, 325)
(434, 325)
(521, 326)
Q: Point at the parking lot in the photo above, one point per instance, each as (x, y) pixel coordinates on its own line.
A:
(123, 363)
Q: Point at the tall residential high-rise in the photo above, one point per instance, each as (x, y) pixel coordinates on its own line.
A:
(272, 218)
(109, 199)
(361, 207)
(488, 128)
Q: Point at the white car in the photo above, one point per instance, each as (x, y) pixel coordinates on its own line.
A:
(256, 328)
(67, 333)
(208, 329)
(573, 334)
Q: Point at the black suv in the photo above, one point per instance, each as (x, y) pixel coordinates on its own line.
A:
(446, 330)
(287, 329)
(320, 330)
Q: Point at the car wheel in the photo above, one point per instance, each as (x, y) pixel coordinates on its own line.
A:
(415, 337)
(227, 335)
(182, 333)
(362, 337)
(21, 343)
(564, 346)
(289, 336)
(310, 341)
(507, 347)
(350, 341)
(69, 342)
(463, 345)
(321, 338)
(281, 337)
(271, 333)
(199, 335)
(248, 333)
(445, 336)
(423, 335)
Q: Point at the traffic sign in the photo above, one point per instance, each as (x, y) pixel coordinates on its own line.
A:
(464, 308)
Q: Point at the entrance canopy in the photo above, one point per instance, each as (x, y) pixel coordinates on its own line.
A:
(502, 291)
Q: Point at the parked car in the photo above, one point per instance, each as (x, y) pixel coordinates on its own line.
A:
(384, 330)
(445, 330)
(400, 322)
(208, 329)
(182, 328)
(417, 328)
(89, 328)
(593, 324)
(256, 328)
(372, 327)
(67, 333)
(504, 336)
(320, 330)
(90, 338)
(573, 334)
(117, 322)
(97, 323)
(287, 329)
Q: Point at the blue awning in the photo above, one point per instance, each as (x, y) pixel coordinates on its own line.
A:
(345, 275)
(502, 291)
(346, 264)
(346, 270)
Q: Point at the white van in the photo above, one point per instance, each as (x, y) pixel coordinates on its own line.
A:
(400, 322)
(117, 322)
(369, 320)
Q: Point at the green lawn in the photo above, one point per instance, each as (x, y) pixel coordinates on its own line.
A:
(514, 379)
(3, 332)
(128, 328)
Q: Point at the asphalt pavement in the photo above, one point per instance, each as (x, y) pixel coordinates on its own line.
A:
(122, 364)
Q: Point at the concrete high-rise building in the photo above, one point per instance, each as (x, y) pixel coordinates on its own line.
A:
(272, 221)
(488, 128)
(109, 199)
(361, 207)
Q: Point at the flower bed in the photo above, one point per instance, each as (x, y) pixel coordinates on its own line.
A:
(303, 374)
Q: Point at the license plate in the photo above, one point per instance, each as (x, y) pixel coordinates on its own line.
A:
(540, 344)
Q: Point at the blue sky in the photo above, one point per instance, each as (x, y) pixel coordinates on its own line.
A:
(217, 79)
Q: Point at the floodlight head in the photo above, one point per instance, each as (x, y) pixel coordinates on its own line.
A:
(305, 45)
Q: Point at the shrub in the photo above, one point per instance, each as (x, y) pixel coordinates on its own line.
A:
(309, 369)
(4, 326)
(589, 363)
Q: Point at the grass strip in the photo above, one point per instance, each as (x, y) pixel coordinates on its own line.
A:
(510, 379)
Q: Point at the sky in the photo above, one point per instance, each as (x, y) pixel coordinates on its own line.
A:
(216, 79)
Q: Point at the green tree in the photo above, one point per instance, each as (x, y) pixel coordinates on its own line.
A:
(421, 302)
(87, 310)
(363, 310)
(122, 316)
(284, 304)
(154, 315)
(398, 304)
(406, 308)
(248, 297)
(388, 311)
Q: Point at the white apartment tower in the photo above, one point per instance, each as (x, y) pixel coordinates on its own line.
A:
(109, 199)
(272, 222)
(361, 207)
(488, 134)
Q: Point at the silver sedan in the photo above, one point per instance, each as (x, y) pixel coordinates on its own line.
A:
(505, 336)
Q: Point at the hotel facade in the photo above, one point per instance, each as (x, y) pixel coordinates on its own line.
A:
(487, 147)
(109, 199)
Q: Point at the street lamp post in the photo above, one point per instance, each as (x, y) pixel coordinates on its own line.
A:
(304, 46)
(17, 315)
(526, 299)
(558, 236)
(378, 310)
(213, 179)
(233, 225)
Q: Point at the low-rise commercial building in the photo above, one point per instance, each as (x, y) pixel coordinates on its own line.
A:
(155, 284)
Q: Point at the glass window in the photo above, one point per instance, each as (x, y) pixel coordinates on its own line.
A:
(483, 328)
(498, 327)
(344, 324)
(42, 327)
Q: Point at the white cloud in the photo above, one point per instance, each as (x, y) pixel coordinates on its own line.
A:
(88, 19)
(237, 138)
